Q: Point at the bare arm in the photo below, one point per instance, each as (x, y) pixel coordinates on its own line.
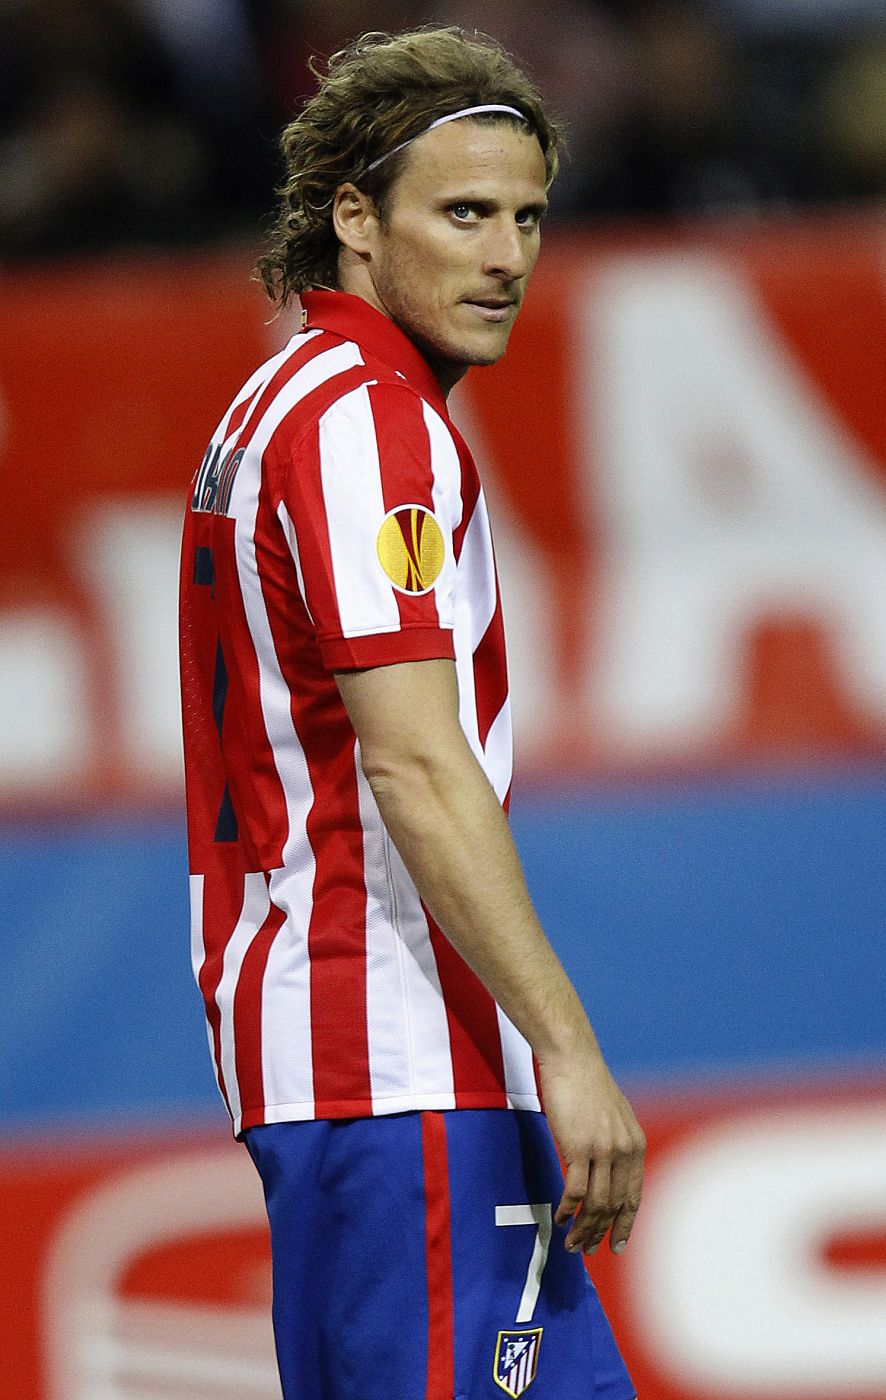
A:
(448, 826)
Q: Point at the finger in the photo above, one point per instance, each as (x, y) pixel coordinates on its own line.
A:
(592, 1221)
(575, 1189)
(619, 1178)
(600, 1185)
(622, 1226)
(590, 1236)
(628, 1205)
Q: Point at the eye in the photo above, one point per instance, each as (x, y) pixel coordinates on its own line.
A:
(464, 213)
(529, 218)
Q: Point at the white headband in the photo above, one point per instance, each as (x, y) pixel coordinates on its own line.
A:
(441, 121)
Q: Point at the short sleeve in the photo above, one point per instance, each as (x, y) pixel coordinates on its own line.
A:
(369, 505)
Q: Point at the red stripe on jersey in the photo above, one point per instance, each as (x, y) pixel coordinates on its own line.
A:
(204, 767)
(256, 791)
(470, 491)
(223, 888)
(247, 1015)
(337, 940)
(478, 1071)
(407, 478)
(490, 673)
(337, 927)
(438, 1259)
(315, 551)
(386, 648)
(238, 415)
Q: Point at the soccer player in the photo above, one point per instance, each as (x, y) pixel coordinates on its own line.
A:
(388, 1021)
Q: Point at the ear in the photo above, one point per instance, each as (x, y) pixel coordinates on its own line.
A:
(355, 219)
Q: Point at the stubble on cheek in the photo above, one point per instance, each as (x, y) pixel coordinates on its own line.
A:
(425, 317)
(426, 303)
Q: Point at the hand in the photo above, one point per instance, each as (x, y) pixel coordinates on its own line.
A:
(602, 1146)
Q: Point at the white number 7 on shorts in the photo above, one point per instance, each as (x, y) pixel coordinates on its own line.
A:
(541, 1217)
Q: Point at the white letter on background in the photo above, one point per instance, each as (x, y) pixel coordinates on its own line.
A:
(727, 1276)
(729, 491)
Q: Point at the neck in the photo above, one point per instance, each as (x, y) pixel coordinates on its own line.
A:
(353, 277)
(445, 372)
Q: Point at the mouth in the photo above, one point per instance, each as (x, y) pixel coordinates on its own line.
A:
(495, 308)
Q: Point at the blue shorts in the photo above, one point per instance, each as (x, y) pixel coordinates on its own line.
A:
(414, 1259)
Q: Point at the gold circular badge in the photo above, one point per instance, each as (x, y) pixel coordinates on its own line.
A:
(411, 549)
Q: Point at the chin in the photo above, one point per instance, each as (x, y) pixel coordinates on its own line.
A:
(460, 353)
(488, 354)
(487, 357)
(483, 350)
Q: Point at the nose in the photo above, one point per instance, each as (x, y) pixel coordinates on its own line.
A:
(507, 250)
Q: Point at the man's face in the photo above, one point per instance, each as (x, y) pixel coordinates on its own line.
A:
(452, 257)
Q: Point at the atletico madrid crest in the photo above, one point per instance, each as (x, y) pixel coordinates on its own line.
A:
(516, 1360)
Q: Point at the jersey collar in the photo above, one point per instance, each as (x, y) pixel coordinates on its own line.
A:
(355, 319)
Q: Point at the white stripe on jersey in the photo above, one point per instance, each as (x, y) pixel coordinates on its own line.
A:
(423, 994)
(475, 610)
(520, 1082)
(291, 539)
(390, 1062)
(198, 950)
(288, 1070)
(404, 1000)
(499, 752)
(448, 504)
(355, 507)
(256, 904)
(198, 954)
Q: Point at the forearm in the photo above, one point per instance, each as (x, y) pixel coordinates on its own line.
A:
(453, 836)
(446, 822)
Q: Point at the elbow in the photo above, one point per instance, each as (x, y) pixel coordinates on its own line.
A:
(387, 768)
(398, 775)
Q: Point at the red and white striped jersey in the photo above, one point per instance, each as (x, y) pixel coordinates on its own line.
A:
(336, 521)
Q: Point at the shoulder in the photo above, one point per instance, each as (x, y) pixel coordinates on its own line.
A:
(330, 394)
(383, 404)
(387, 386)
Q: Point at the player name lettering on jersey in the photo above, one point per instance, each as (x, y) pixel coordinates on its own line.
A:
(215, 480)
